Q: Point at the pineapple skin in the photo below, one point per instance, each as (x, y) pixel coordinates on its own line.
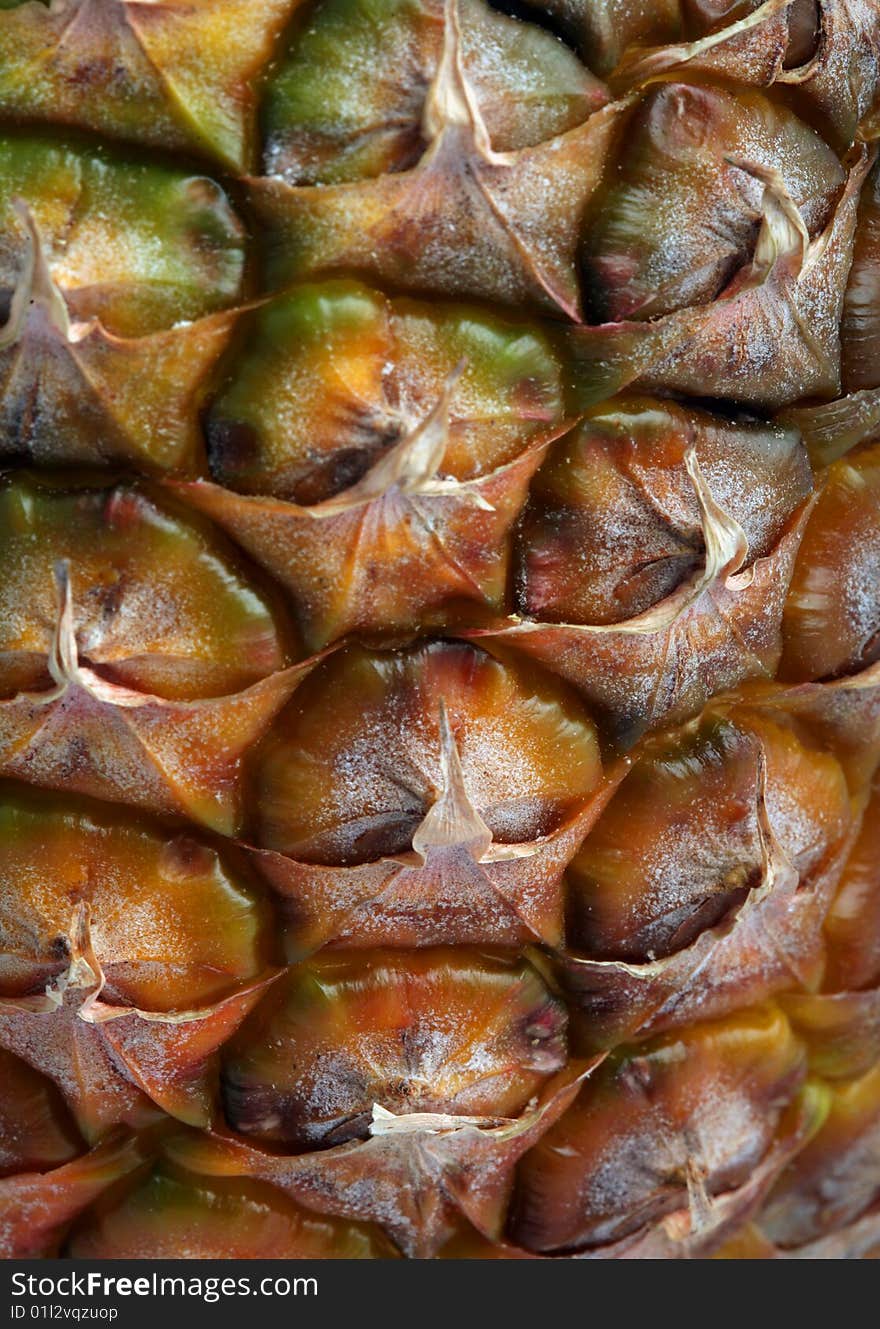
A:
(440, 629)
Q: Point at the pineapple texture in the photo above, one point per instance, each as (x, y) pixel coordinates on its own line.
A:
(440, 629)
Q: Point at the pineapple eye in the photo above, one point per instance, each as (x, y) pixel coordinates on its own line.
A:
(333, 375)
(160, 603)
(447, 1031)
(613, 524)
(466, 218)
(677, 219)
(173, 1214)
(654, 1124)
(352, 767)
(679, 848)
(139, 247)
(382, 449)
(165, 938)
(640, 886)
(348, 100)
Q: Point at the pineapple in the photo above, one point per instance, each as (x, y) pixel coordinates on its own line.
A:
(440, 629)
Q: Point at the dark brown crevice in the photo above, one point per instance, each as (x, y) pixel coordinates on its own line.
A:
(537, 17)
